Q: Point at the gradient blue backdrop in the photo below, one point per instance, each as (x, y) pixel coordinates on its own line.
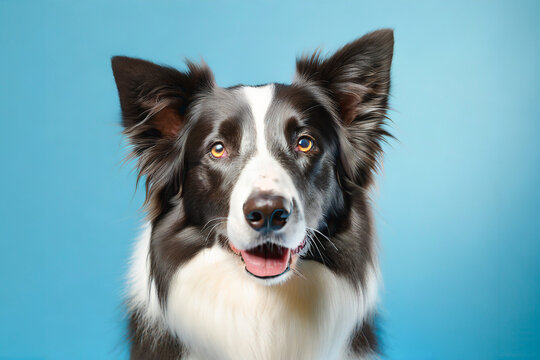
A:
(457, 203)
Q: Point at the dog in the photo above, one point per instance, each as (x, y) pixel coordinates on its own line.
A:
(260, 239)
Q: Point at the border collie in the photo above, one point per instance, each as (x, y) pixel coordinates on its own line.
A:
(260, 239)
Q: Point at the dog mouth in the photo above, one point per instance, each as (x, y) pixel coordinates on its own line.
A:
(268, 260)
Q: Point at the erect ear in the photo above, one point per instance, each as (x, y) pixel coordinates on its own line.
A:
(357, 79)
(154, 98)
(154, 101)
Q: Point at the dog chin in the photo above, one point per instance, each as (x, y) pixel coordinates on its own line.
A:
(275, 280)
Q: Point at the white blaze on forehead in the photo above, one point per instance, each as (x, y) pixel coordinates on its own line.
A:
(259, 100)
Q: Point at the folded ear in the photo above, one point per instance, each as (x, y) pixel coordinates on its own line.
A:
(154, 101)
(357, 79)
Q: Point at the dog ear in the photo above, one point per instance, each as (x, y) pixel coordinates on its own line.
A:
(154, 98)
(155, 101)
(357, 79)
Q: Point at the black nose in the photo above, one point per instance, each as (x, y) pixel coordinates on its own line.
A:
(266, 212)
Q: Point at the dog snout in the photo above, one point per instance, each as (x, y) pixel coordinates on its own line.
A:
(267, 212)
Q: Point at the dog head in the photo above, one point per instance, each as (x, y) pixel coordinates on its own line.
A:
(262, 171)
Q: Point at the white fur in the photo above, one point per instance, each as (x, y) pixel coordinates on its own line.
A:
(142, 294)
(262, 173)
(220, 312)
(259, 100)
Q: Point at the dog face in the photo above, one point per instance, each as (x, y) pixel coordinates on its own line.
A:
(262, 171)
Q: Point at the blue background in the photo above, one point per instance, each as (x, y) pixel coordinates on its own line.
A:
(457, 204)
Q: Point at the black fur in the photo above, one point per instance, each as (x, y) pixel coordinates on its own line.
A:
(172, 118)
(144, 347)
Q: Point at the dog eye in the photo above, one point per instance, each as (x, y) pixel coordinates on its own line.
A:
(304, 144)
(218, 150)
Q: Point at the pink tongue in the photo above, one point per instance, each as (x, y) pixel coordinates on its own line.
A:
(266, 260)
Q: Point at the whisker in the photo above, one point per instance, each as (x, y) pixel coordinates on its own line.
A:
(326, 237)
(299, 274)
(318, 250)
(212, 220)
(212, 230)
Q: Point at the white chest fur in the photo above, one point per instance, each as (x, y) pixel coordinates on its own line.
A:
(221, 312)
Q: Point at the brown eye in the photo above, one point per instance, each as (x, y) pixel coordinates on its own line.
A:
(304, 144)
(218, 150)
